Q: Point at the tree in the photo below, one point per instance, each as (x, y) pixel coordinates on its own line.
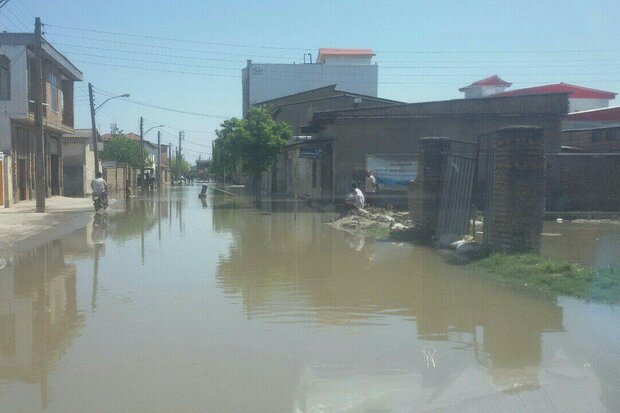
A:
(182, 168)
(254, 141)
(123, 150)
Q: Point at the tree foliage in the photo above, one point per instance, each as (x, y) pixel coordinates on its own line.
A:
(183, 167)
(123, 150)
(253, 142)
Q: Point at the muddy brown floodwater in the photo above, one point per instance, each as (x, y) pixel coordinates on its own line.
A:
(189, 306)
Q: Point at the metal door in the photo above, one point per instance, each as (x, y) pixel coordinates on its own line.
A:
(456, 189)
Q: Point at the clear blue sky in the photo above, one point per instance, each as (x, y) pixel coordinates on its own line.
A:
(426, 50)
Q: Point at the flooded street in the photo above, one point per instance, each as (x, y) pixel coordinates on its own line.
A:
(186, 305)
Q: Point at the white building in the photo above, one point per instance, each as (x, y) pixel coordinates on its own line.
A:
(485, 87)
(350, 69)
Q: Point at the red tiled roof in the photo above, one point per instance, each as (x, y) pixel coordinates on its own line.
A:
(489, 81)
(326, 51)
(576, 92)
(604, 114)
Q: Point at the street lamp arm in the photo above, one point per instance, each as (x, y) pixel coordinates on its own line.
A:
(126, 95)
(154, 127)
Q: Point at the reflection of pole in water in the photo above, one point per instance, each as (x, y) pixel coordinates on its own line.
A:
(43, 330)
(159, 216)
(93, 298)
(142, 232)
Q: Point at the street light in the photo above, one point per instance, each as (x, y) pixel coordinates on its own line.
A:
(142, 146)
(126, 95)
(93, 123)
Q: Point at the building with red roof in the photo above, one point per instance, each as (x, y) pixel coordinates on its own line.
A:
(488, 86)
(579, 98)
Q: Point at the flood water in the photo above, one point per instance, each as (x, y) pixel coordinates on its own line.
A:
(189, 306)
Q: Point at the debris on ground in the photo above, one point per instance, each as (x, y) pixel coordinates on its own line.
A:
(373, 221)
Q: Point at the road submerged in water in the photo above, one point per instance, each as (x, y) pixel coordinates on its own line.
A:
(182, 304)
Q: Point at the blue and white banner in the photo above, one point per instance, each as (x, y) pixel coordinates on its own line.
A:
(392, 172)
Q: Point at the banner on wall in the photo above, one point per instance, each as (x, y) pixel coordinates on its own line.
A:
(392, 172)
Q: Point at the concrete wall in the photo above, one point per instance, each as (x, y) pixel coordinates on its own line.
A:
(262, 82)
(576, 105)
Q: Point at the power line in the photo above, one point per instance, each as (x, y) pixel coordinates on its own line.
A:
(241, 45)
(245, 55)
(459, 64)
(143, 36)
(150, 105)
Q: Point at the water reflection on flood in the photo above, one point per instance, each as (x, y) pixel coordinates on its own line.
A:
(181, 304)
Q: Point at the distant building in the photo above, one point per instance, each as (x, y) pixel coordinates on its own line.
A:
(17, 131)
(78, 161)
(594, 118)
(350, 69)
(298, 110)
(485, 87)
(580, 98)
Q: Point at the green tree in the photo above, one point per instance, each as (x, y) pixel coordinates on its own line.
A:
(182, 168)
(254, 141)
(123, 150)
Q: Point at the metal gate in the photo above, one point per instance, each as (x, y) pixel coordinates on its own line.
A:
(459, 172)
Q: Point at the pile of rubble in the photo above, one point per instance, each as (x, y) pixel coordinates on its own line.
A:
(375, 221)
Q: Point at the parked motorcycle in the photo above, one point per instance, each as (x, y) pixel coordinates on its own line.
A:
(100, 202)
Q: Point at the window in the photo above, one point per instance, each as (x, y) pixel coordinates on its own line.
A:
(5, 78)
(597, 135)
(53, 81)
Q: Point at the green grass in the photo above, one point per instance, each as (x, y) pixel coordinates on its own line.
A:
(555, 277)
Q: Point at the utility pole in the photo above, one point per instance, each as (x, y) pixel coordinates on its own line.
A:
(141, 152)
(170, 163)
(38, 119)
(158, 160)
(94, 128)
(180, 154)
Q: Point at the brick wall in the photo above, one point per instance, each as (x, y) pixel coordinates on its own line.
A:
(517, 206)
(600, 140)
(424, 193)
(584, 182)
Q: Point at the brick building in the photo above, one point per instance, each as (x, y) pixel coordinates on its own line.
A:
(298, 110)
(348, 136)
(17, 133)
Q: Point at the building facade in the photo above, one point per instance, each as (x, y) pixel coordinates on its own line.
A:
(17, 132)
(350, 69)
(78, 162)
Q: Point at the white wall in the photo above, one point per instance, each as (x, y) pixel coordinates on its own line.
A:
(576, 105)
(18, 105)
(347, 60)
(270, 81)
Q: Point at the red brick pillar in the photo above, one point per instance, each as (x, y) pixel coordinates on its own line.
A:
(425, 191)
(518, 199)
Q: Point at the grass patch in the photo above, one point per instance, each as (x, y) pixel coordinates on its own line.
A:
(556, 277)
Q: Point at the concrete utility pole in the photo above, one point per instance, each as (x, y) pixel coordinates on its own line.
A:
(158, 160)
(180, 154)
(170, 163)
(38, 119)
(94, 128)
(141, 152)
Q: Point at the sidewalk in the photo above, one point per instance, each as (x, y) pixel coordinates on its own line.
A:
(21, 223)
